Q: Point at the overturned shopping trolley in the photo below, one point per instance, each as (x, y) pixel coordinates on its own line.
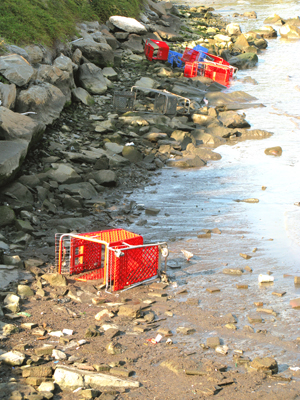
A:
(164, 102)
(117, 256)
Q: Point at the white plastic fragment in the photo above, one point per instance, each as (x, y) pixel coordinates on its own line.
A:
(265, 278)
(68, 331)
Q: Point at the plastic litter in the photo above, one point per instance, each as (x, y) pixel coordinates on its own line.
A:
(68, 332)
(156, 50)
(265, 278)
(155, 340)
(117, 256)
(222, 349)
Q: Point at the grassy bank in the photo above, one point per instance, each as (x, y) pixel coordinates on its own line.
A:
(43, 21)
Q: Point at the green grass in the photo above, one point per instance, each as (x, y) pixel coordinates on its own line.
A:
(43, 21)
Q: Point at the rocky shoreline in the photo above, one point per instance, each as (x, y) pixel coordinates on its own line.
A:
(87, 158)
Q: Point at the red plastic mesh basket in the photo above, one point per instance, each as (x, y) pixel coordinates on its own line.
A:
(156, 50)
(133, 266)
(190, 55)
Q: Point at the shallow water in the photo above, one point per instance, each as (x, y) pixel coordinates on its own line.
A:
(244, 167)
(192, 200)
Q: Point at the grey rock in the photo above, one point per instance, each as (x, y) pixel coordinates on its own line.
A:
(83, 189)
(67, 377)
(35, 54)
(232, 119)
(92, 79)
(134, 43)
(189, 161)
(16, 69)
(132, 154)
(100, 54)
(13, 358)
(110, 73)
(105, 177)
(63, 173)
(19, 192)
(15, 126)
(130, 25)
(8, 95)
(46, 100)
(7, 216)
(81, 95)
(204, 154)
(62, 79)
(289, 31)
(113, 148)
(244, 61)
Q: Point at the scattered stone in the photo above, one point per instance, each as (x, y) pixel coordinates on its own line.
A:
(245, 256)
(13, 358)
(213, 342)
(46, 387)
(242, 286)
(231, 326)
(232, 271)
(55, 279)
(114, 348)
(267, 364)
(297, 280)
(204, 236)
(274, 151)
(185, 331)
(213, 290)
(130, 311)
(295, 303)
(279, 294)
(254, 319)
(248, 269)
(42, 371)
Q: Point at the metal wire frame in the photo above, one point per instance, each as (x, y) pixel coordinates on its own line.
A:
(108, 253)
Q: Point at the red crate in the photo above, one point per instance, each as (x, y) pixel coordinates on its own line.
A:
(133, 266)
(216, 72)
(216, 59)
(190, 70)
(190, 55)
(156, 50)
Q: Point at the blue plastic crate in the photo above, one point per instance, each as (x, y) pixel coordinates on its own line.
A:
(202, 50)
(174, 59)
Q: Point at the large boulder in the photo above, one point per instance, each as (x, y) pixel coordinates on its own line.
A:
(12, 155)
(266, 31)
(92, 79)
(158, 8)
(233, 29)
(105, 177)
(134, 43)
(208, 139)
(16, 126)
(63, 173)
(100, 54)
(83, 189)
(60, 74)
(132, 154)
(241, 43)
(8, 95)
(35, 54)
(130, 25)
(81, 95)
(245, 60)
(289, 31)
(232, 119)
(189, 161)
(204, 153)
(46, 100)
(184, 138)
(7, 216)
(16, 69)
